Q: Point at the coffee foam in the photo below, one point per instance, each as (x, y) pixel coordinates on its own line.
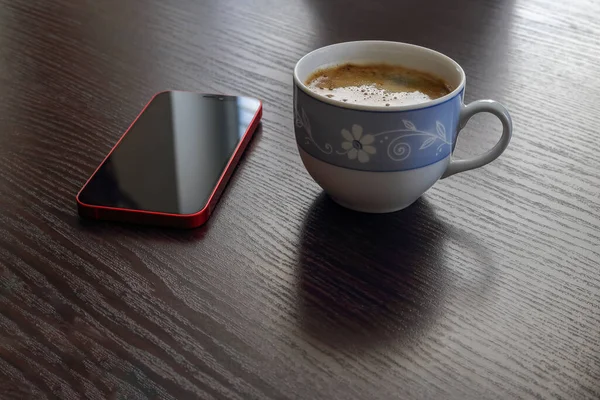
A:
(368, 95)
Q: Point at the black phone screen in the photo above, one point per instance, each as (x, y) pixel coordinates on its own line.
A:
(171, 158)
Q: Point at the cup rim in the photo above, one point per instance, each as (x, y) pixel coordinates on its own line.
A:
(364, 107)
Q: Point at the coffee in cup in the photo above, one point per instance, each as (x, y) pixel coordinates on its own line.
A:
(377, 84)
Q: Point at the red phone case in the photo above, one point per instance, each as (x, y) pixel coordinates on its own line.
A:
(166, 219)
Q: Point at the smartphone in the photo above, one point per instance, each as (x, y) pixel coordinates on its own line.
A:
(171, 166)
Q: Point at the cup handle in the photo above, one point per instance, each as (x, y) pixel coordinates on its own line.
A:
(466, 113)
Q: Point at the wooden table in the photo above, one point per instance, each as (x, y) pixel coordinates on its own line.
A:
(488, 287)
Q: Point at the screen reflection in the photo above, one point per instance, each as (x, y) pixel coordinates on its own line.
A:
(173, 155)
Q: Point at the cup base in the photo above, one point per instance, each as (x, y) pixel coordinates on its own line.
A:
(373, 192)
(370, 210)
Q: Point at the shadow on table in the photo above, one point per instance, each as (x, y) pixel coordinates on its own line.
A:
(124, 230)
(365, 279)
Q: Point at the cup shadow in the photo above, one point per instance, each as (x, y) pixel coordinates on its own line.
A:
(367, 279)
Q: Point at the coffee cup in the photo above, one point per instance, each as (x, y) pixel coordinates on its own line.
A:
(409, 146)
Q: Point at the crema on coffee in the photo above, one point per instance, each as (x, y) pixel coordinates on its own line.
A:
(377, 84)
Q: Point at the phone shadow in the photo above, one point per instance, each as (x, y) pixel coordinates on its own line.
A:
(368, 279)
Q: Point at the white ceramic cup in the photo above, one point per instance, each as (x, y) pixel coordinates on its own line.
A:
(381, 159)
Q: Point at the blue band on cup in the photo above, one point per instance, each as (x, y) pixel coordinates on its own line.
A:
(375, 140)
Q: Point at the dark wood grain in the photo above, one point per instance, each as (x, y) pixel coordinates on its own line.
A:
(488, 287)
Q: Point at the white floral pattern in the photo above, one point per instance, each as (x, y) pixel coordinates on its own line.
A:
(302, 121)
(397, 143)
(357, 145)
